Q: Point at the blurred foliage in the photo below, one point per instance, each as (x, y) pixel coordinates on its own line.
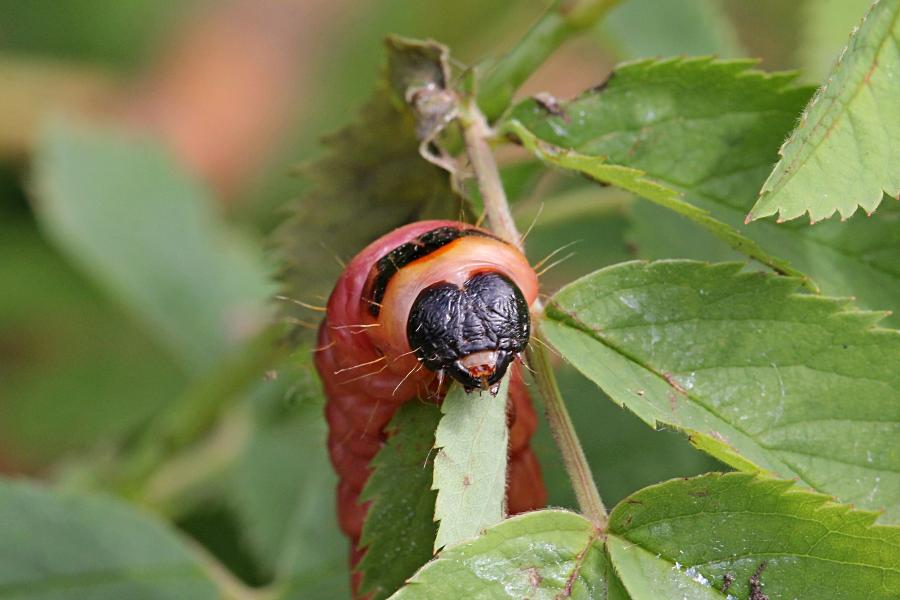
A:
(104, 326)
(76, 371)
(826, 31)
(689, 27)
(115, 34)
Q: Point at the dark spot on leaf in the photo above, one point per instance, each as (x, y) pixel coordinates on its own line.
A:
(466, 481)
(727, 580)
(699, 494)
(602, 85)
(670, 379)
(630, 501)
(755, 584)
(552, 105)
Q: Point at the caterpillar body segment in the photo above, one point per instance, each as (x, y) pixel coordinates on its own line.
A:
(426, 303)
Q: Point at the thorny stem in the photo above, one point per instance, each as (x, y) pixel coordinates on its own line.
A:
(476, 133)
(563, 20)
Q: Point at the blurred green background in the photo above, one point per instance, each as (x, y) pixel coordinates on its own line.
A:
(146, 148)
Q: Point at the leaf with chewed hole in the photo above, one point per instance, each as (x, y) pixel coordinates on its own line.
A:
(758, 375)
(539, 555)
(470, 463)
(845, 153)
(399, 530)
(685, 537)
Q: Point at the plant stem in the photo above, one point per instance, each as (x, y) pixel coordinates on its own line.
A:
(230, 587)
(476, 133)
(563, 20)
(563, 429)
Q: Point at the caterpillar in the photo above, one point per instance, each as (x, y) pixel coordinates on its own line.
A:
(425, 303)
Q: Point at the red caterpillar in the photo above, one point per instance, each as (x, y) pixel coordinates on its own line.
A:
(430, 300)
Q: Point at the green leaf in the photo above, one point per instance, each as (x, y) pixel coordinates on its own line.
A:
(757, 375)
(539, 555)
(635, 181)
(711, 129)
(709, 527)
(66, 546)
(842, 155)
(371, 180)
(470, 464)
(647, 575)
(120, 207)
(72, 344)
(645, 28)
(399, 531)
(625, 455)
(681, 539)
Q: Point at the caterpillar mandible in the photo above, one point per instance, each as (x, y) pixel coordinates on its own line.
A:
(429, 301)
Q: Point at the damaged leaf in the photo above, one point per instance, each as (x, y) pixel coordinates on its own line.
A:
(470, 464)
(399, 530)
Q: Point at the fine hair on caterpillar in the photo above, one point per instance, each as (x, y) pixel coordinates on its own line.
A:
(425, 304)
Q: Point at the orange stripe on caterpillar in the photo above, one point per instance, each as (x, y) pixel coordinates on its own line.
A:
(393, 332)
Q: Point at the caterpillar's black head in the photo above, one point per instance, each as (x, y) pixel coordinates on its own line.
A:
(471, 333)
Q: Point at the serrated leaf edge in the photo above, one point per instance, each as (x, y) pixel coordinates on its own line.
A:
(769, 185)
(866, 321)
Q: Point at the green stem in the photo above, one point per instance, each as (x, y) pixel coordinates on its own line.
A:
(565, 19)
(229, 586)
(476, 133)
(563, 429)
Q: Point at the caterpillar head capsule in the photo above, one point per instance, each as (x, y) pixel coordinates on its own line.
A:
(449, 299)
(471, 332)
